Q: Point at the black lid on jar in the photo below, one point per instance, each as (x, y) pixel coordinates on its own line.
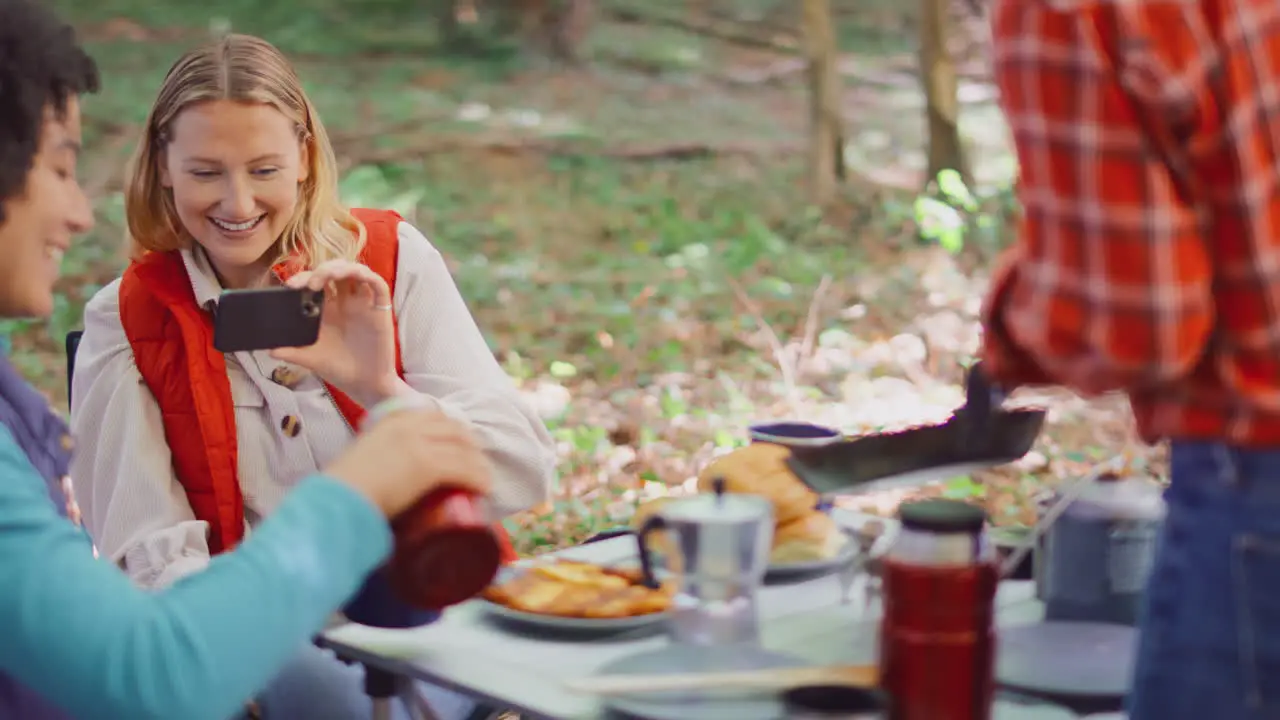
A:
(942, 516)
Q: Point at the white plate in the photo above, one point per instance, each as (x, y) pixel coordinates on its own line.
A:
(601, 626)
(702, 705)
(557, 623)
(813, 568)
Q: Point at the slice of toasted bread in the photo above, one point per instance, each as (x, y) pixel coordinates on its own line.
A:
(568, 588)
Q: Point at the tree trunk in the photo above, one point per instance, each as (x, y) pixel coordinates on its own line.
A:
(699, 10)
(826, 127)
(555, 28)
(446, 18)
(942, 106)
(568, 28)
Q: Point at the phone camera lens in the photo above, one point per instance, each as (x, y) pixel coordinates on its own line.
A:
(310, 308)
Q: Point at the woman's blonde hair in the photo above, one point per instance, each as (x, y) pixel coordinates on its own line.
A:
(241, 68)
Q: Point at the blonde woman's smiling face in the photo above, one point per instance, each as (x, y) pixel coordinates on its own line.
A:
(234, 169)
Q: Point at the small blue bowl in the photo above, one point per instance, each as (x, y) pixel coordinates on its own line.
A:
(794, 434)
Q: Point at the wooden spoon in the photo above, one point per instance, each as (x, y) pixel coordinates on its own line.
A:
(771, 680)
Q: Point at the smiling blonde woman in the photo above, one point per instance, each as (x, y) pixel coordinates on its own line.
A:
(234, 186)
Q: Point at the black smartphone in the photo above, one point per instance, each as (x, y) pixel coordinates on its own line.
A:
(267, 318)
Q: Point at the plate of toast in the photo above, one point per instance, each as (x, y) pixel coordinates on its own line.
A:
(570, 595)
(806, 540)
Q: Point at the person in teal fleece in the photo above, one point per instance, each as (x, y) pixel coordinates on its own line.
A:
(77, 638)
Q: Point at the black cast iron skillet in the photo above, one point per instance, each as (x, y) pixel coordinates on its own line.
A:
(980, 434)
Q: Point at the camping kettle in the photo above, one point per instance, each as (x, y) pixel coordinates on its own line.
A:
(1093, 562)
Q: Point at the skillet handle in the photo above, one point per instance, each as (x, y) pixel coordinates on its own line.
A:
(981, 394)
(983, 399)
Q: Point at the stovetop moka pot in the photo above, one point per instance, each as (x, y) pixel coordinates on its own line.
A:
(720, 544)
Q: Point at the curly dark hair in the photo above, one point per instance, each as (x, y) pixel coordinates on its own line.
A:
(41, 66)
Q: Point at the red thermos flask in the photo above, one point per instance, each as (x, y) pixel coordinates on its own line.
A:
(937, 636)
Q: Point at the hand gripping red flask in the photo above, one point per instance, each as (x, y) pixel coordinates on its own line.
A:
(446, 550)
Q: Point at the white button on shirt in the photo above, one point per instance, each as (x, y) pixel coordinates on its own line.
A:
(129, 496)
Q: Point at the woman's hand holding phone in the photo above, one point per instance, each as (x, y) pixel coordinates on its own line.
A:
(356, 348)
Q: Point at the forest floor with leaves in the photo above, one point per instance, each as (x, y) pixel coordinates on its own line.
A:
(633, 235)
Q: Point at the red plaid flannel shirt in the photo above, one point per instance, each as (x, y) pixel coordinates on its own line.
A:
(1148, 257)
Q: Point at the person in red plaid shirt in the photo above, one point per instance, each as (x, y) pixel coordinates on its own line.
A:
(1148, 262)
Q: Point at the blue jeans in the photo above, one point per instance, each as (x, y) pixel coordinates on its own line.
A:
(318, 686)
(1210, 628)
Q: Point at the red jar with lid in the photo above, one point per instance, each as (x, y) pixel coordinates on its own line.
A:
(937, 636)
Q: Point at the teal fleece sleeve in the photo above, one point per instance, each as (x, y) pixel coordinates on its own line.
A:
(77, 631)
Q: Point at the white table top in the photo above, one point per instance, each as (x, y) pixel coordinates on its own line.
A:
(469, 654)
